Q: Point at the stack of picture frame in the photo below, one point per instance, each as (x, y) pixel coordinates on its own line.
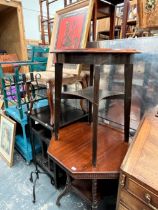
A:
(7, 138)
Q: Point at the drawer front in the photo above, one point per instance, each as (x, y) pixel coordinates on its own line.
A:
(122, 207)
(131, 202)
(142, 193)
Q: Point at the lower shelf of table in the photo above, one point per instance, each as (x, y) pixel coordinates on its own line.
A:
(73, 151)
(69, 114)
(48, 166)
(105, 188)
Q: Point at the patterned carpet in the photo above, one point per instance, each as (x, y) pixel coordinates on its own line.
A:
(16, 191)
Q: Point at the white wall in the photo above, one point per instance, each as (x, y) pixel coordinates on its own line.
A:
(31, 12)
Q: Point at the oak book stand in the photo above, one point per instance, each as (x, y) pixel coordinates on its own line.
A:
(91, 151)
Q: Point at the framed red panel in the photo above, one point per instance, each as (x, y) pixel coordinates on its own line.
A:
(70, 30)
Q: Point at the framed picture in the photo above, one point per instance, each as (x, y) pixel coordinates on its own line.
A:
(148, 14)
(133, 11)
(7, 138)
(70, 30)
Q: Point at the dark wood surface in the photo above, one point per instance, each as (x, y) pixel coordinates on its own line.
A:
(69, 114)
(89, 92)
(138, 188)
(73, 151)
(114, 2)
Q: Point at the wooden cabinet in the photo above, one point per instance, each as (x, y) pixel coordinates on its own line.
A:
(12, 36)
(138, 186)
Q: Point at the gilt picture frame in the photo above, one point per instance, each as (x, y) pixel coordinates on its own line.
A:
(147, 14)
(7, 138)
(70, 31)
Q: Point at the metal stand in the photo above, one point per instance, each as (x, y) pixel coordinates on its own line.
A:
(37, 171)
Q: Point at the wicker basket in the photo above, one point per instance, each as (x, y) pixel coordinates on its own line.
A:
(148, 14)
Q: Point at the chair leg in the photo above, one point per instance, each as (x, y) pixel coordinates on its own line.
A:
(125, 17)
(112, 22)
(50, 101)
(83, 102)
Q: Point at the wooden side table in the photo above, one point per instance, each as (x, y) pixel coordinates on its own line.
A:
(86, 151)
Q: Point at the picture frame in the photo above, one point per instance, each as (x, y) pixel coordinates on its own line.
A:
(133, 11)
(70, 31)
(7, 138)
(147, 14)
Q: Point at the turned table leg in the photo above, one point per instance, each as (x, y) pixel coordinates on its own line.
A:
(94, 194)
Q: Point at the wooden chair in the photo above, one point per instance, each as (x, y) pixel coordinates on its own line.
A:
(39, 54)
(16, 106)
(16, 96)
(47, 79)
(108, 9)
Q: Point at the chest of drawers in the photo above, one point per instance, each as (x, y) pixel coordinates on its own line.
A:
(138, 186)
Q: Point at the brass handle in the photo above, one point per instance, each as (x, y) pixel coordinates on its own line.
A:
(122, 180)
(148, 200)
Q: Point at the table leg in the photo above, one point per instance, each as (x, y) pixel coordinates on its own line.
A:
(95, 113)
(94, 194)
(110, 86)
(147, 70)
(58, 87)
(65, 191)
(91, 84)
(128, 72)
(56, 175)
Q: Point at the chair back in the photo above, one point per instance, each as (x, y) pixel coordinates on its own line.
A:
(13, 91)
(39, 54)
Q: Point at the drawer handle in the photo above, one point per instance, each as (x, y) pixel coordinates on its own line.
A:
(122, 180)
(148, 200)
